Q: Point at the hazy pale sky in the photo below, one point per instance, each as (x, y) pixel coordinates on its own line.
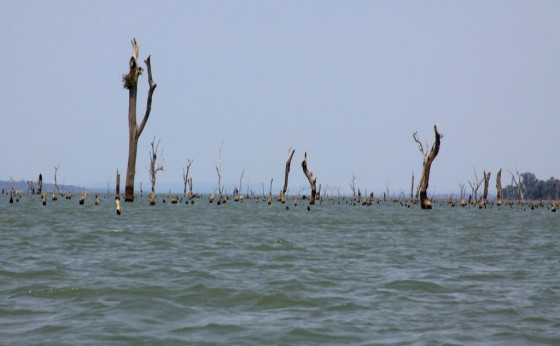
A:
(346, 81)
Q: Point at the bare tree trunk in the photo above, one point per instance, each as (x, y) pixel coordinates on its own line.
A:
(219, 171)
(286, 173)
(31, 186)
(269, 199)
(237, 195)
(118, 186)
(312, 181)
(499, 198)
(353, 186)
(186, 177)
(40, 185)
(130, 82)
(54, 194)
(426, 203)
(412, 187)
(462, 202)
(484, 198)
(191, 195)
(474, 187)
(155, 166)
(519, 184)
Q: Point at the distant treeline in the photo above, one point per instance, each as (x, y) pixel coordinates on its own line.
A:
(23, 186)
(534, 188)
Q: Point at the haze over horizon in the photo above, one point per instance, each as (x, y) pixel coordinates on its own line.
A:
(346, 82)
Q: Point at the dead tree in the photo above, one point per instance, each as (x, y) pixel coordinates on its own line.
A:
(237, 192)
(353, 186)
(31, 186)
(40, 185)
(484, 198)
(130, 82)
(219, 171)
(54, 194)
(474, 188)
(499, 198)
(412, 186)
(118, 186)
(428, 158)
(269, 198)
(186, 176)
(312, 181)
(282, 197)
(191, 195)
(462, 201)
(519, 184)
(155, 166)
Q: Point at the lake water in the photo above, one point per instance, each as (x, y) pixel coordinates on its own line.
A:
(256, 274)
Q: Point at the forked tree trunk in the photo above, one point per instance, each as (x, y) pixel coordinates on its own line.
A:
(312, 181)
(462, 202)
(286, 173)
(499, 198)
(485, 191)
(186, 177)
(130, 82)
(425, 202)
(155, 166)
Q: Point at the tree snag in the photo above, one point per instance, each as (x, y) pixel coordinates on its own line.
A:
(282, 197)
(499, 198)
(155, 166)
(519, 184)
(484, 198)
(130, 82)
(474, 188)
(428, 158)
(40, 185)
(462, 202)
(353, 187)
(186, 177)
(269, 198)
(312, 180)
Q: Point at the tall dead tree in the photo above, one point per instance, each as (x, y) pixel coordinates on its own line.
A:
(428, 158)
(353, 186)
(462, 201)
(312, 181)
(282, 197)
(499, 198)
(474, 188)
(519, 184)
(186, 176)
(219, 171)
(484, 198)
(54, 193)
(155, 166)
(130, 82)
(40, 185)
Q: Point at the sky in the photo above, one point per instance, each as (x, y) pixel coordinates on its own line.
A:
(348, 82)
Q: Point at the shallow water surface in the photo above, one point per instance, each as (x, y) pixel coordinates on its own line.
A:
(250, 273)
